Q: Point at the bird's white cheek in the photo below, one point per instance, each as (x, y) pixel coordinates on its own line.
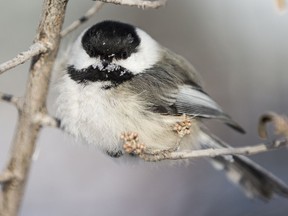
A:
(148, 54)
(78, 56)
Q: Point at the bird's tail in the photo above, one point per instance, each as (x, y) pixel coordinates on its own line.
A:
(251, 177)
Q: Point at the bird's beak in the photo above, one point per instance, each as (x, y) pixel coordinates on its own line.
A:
(105, 63)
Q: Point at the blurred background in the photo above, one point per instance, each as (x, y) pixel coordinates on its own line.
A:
(241, 50)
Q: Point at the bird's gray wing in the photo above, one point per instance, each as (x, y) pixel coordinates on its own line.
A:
(195, 102)
(173, 88)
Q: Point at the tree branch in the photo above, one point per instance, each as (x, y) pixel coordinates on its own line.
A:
(34, 49)
(92, 11)
(249, 150)
(34, 102)
(139, 3)
(6, 176)
(132, 144)
(45, 119)
(16, 101)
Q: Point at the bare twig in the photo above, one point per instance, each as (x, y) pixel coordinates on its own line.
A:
(27, 131)
(156, 155)
(46, 120)
(98, 5)
(92, 11)
(139, 3)
(249, 150)
(34, 49)
(16, 101)
(6, 176)
(132, 144)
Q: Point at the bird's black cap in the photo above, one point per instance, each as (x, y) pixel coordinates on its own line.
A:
(110, 39)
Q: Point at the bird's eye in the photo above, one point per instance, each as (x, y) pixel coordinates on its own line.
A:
(124, 54)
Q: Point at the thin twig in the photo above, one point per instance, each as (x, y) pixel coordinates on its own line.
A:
(139, 3)
(92, 11)
(46, 120)
(248, 150)
(6, 176)
(34, 49)
(280, 123)
(16, 101)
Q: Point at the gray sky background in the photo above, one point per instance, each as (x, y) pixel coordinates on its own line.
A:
(241, 50)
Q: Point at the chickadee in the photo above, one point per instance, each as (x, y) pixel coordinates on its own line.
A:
(118, 79)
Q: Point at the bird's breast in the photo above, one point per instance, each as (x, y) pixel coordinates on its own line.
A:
(101, 116)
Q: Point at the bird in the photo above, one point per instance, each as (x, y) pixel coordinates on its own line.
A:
(117, 78)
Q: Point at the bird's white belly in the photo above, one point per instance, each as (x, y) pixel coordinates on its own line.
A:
(100, 117)
(86, 112)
